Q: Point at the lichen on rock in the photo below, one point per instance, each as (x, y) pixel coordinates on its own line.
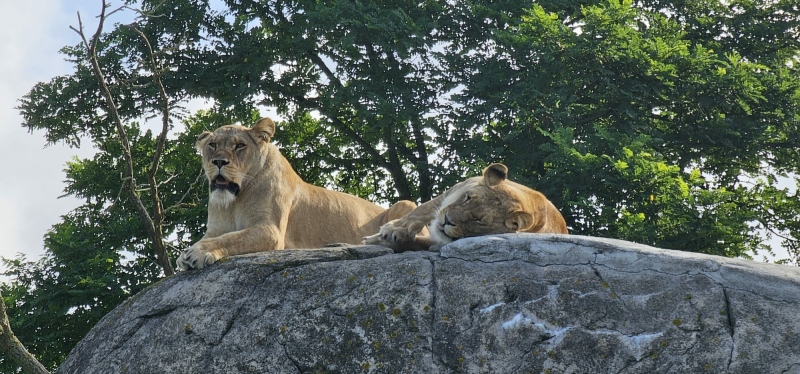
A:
(501, 304)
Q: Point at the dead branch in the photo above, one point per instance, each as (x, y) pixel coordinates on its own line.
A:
(153, 226)
(158, 208)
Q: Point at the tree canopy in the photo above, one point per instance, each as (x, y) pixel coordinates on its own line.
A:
(673, 124)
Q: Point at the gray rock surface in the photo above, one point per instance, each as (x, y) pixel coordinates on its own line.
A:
(502, 304)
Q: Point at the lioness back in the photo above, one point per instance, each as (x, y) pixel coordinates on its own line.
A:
(347, 218)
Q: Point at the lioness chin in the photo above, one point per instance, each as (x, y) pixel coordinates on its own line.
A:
(484, 205)
(258, 203)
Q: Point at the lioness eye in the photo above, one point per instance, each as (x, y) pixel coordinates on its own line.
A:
(240, 145)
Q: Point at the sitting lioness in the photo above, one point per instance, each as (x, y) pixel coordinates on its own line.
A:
(258, 203)
(484, 205)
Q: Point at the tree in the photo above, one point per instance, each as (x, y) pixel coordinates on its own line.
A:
(14, 349)
(134, 76)
(665, 123)
(637, 122)
(365, 67)
(99, 254)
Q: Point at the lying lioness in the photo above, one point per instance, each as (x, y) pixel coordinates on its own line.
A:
(258, 203)
(484, 205)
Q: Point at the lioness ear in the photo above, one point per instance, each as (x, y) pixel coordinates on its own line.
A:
(264, 129)
(495, 174)
(201, 140)
(520, 221)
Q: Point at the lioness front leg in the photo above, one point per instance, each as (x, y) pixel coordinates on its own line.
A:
(210, 250)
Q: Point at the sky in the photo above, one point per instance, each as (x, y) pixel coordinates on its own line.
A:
(32, 183)
(32, 179)
(32, 33)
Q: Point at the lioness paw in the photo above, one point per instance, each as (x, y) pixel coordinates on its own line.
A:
(375, 240)
(195, 258)
(398, 231)
(392, 234)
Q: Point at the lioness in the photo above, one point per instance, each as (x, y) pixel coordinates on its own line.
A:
(484, 205)
(258, 203)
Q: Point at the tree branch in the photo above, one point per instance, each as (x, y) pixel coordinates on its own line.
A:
(158, 209)
(392, 164)
(180, 202)
(14, 348)
(425, 189)
(396, 168)
(129, 181)
(378, 158)
(341, 126)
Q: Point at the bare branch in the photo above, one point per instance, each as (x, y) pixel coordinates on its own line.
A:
(180, 202)
(169, 179)
(158, 209)
(152, 226)
(165, 106)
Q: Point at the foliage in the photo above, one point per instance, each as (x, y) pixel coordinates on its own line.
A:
(665, 123)
(98, 255)
(633, 124)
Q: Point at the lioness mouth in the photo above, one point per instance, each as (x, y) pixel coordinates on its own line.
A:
(221, 183)
(443, 225)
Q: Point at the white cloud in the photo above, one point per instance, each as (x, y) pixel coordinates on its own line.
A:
(31, 181)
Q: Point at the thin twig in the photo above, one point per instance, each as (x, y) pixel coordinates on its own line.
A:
(158, 209)
(153, 227)
(180, 202)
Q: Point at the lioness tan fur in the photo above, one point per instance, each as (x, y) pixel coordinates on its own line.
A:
(258, 203)
(489, 204)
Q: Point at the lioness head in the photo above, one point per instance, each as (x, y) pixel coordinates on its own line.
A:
(230, 156)
(481, 206)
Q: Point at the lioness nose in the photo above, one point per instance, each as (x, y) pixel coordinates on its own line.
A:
(219, 163)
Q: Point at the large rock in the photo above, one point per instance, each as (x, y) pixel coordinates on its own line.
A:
(504, 304)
